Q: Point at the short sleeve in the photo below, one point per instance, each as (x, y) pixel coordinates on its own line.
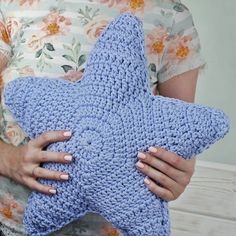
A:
(5, 47)
(183, 50)
(5, 53)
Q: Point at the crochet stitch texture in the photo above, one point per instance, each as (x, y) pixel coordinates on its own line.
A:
(112, 115)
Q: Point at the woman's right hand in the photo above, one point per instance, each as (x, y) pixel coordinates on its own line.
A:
(23, 163)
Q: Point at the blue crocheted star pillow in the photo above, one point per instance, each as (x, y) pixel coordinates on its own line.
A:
(113, 115)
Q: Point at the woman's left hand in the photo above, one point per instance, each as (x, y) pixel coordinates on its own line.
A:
(172, 172)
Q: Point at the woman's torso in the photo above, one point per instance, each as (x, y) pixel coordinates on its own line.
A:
(53, 39)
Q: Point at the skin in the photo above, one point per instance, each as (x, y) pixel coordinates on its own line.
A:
(171, 171)
(27, 168)
(3, 62)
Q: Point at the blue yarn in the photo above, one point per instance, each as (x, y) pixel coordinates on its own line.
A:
(112, 115)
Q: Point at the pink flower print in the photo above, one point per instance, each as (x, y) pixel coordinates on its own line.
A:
(73, 75)
(155, 43)
(4, 34)
(26, 71)
(134, 6)
(94, 28)
(29, 2)
(23, 2)
(111, 3)
(108, 230)
(54, 24)
(180, 48)
(13, 25)
(36, 42)
(11, 209)
(14, 134)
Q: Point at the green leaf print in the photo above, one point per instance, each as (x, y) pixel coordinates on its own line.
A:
(49, 47)
(69, 58)
(152, 67)
(66, 68)
(87, 15)
(19, 37)
(67, 47)
(48, 56)
(81, 60)
(17, 57)
(180, 7)
(38, 53)
(166, 14)
(76, 48)
(43, 55)
(73, 55)
(26, 23)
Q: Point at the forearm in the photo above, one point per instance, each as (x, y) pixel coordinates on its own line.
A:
(3, 61)
(7, 150)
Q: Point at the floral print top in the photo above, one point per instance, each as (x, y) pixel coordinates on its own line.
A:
(53, 39)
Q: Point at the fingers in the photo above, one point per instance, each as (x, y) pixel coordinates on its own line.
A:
(39, 172)
(50, 137)
(45, 156)
(35, 185)
(171, 158)
(159, 177)
(31, 155)
(169, 170)
(158, 190)
(160, 165)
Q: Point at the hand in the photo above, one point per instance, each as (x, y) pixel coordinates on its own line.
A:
(170, 171)
(23, 163)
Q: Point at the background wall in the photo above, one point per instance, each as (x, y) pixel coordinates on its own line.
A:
(215, 21)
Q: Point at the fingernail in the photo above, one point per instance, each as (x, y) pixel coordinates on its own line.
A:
(147, 181)
(139, 164)
(53, 191)
(141, 155)
(65, 177)
(152, 149)
(68, 158)
(67, 134)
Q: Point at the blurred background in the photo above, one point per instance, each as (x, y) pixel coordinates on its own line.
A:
(208, 205)
(215, 21)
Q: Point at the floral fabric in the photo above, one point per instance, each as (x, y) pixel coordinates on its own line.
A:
(53, 39)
